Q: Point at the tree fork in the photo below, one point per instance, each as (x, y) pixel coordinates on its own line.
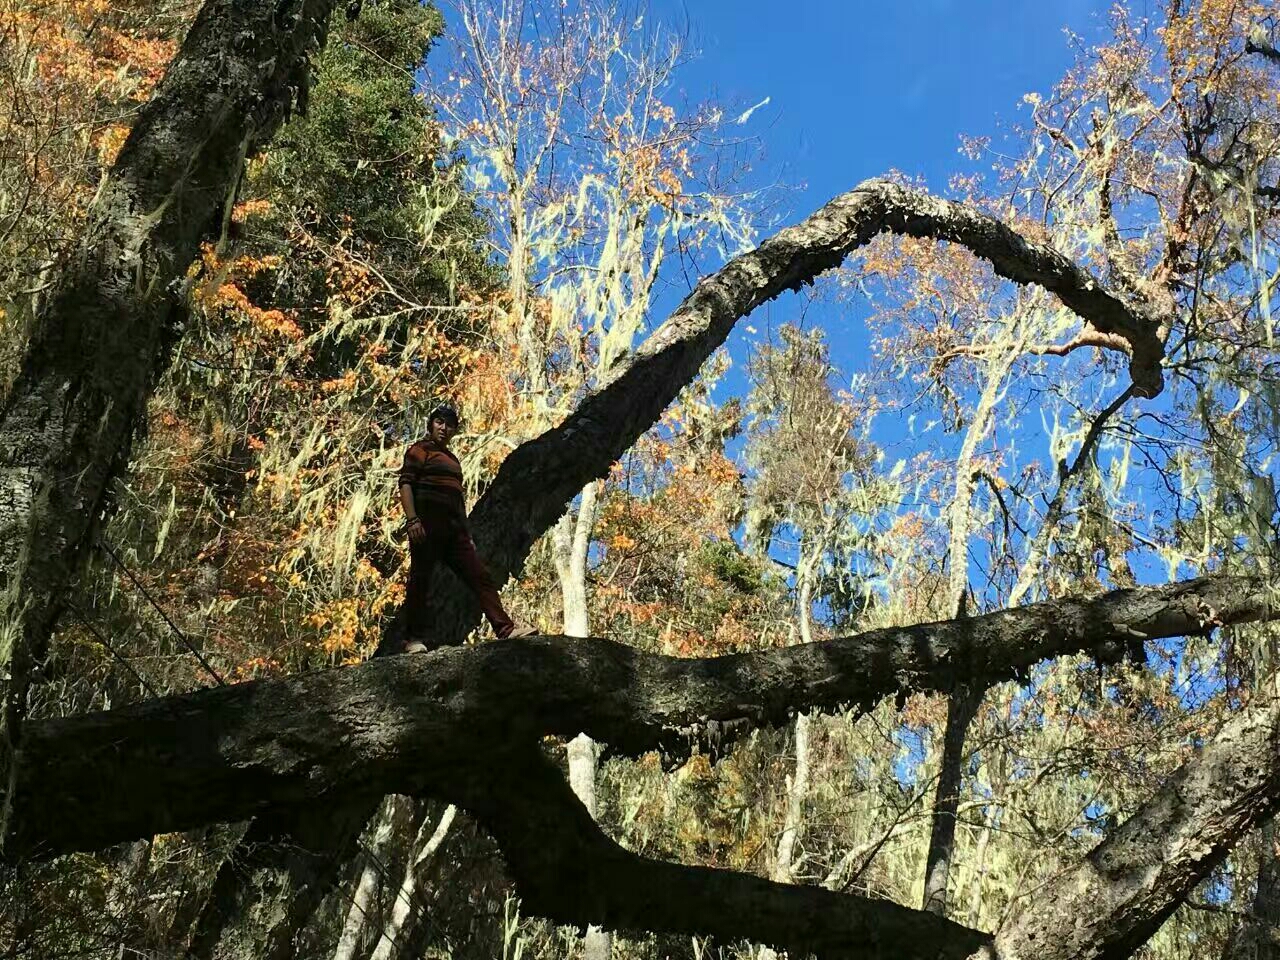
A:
(530, 491)
(447, 723)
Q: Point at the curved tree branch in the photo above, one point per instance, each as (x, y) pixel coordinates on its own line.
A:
(1116, 898)
(541, 476)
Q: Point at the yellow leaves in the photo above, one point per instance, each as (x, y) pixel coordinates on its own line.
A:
(221, 289)
(249, 208)
(273, 322)
(345, 384)
(109, 143)
(620, 541)
(350, 282)
(338, 623)
(256, 667)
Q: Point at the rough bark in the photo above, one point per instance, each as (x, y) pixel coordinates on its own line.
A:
(409, 724)
(465, 724)
(570, 872)
(541, 476)
(97, 343)
(1118, 895)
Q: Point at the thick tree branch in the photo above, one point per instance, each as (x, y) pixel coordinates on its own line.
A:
(413, 724)
(567, 870)
(541, 476)
(1258, 43)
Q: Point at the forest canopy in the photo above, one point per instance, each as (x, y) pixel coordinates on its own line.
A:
(903, 567)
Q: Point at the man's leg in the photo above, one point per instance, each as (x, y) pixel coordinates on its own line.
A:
(419, 611)
(466, 563)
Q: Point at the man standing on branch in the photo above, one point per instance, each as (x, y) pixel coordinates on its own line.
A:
(436, 520)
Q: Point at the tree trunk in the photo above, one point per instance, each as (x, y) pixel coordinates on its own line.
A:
(979, 874)
(361, 913)
(797, 789)
(403, 903)
(963, 702)
(537, 479)
(798, 782)
(528, 495)
(572, 541)
(67, 423)
(1126, 887)
(98, 341)
(961, 707)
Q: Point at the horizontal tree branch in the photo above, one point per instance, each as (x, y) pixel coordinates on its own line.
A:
(415, 724)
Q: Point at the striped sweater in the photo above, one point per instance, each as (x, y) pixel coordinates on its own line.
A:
(434, 473)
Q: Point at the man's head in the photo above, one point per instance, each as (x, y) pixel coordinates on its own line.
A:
(442, 424)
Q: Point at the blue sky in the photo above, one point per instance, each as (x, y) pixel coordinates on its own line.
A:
(857, 88)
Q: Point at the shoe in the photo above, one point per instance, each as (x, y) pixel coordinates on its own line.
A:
(522, 630)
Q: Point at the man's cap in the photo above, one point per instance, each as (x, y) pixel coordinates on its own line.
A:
(445, 412)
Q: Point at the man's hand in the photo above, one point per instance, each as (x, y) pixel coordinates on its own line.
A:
(417, 532)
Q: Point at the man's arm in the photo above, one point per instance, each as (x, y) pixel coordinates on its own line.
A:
(412, 523)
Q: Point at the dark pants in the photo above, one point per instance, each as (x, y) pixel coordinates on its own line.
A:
(447, 539)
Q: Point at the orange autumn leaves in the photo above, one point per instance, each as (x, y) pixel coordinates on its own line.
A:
(75, 71)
